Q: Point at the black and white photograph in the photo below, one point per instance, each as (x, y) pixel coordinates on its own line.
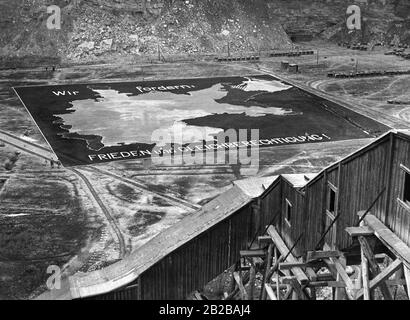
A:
(217, 157)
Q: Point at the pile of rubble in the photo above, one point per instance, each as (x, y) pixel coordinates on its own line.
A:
(182, 28)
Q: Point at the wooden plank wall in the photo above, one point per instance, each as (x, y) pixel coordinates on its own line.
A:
(362, 177)
(291, 233)
(129, 293)
(362, 180)
(271, 205)
(399, 216)
(314, 215)
(202, 259)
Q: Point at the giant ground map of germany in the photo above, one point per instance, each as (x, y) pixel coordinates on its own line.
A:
(94, 123)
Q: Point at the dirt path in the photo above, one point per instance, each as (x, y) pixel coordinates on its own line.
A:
(27, 146)
(111, 220)
(405, 114)
(174, 200)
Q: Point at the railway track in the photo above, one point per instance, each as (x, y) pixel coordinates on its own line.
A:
(174, 200)
(111, 220)
(27, 146)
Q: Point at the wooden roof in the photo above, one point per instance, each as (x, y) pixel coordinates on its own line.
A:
(255, 187)
(128, 270)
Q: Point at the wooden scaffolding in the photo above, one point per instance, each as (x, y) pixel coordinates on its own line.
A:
(282, 276)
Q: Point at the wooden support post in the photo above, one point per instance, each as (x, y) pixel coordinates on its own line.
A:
(298, 292)
(284, 251)
(274, 268)
(265, 276)
(339, 274)
(398, 276)
(341, 268)
(332, 268)
(341, 293)
(232, 285)
(374, 267)
(295, 294)
(270, 292)
(332, 284)
(407, 277)
(313, 277)
(198, 296)
(316, 255)
(383, 276)
(236, 290)
(277, 275)
(288, 293)
(389, 239)
(252, 278)
(365, 276)
(237, 277)
(252, 253)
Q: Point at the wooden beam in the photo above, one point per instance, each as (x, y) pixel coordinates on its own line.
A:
(339, 273)
(407, 277)
(359, 231)
(382, 276)
(312, 277)
(296, 287)
(374, 267)
(332, 284)
(318, 255)
(252, 279)
(291, 265)
(397, 277)
(199, 296)
(365, 276)
(269, 291)
(252, 253)
(389, 239)
(332, 268)
(342, 272)
(288, 293)
(327, 276)
(236, 288)
(275, 286)
(262, 240)
(238, 280)
(283, 249)
(396, 282)
(267, 269)
(311, 274)
(277, 274)
(342, 275)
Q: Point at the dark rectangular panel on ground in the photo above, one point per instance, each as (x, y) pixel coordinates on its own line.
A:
(97, 123)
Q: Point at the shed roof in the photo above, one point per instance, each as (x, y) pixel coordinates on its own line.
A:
(254, 187)
(128, 270)
(299, 180)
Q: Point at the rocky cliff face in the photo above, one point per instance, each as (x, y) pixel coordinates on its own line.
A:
(97, 28)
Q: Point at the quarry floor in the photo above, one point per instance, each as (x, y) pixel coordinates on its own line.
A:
(52, 216)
